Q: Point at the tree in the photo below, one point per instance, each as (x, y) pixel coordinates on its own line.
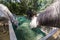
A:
(21, 7)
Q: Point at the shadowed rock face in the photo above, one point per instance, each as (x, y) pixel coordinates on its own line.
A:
(50, 16)
(4, 29)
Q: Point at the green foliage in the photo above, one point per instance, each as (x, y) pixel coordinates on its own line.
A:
(42, 4)
(21, 7)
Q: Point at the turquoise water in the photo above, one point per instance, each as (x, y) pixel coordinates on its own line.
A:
(23, 32)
